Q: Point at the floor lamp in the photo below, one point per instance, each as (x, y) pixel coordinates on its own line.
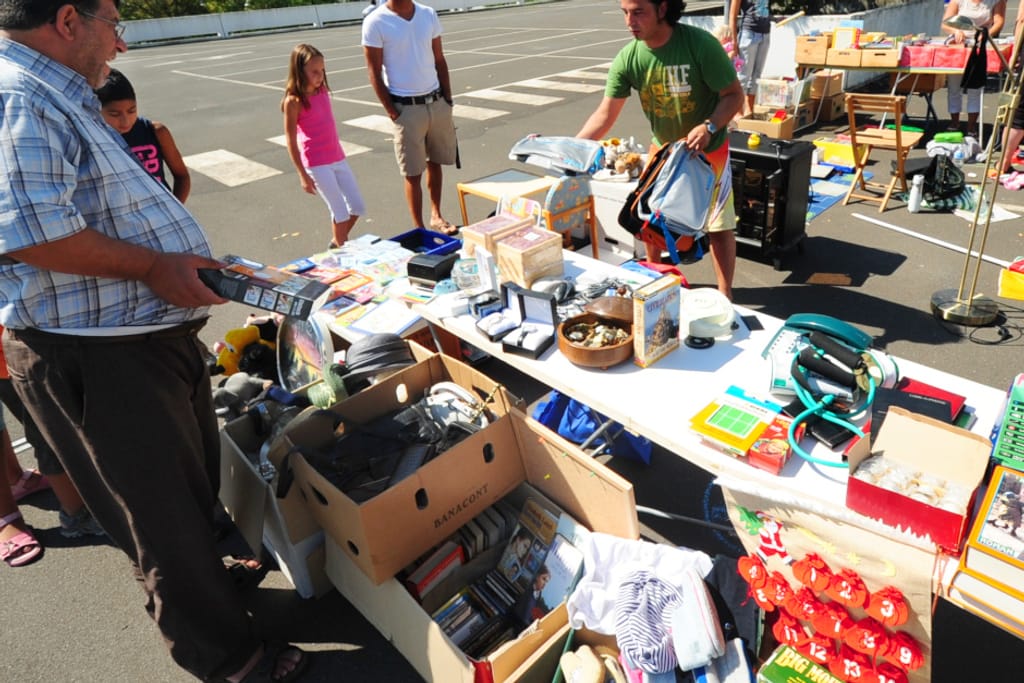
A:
(965, 305)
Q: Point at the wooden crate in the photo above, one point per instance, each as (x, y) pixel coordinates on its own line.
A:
(883, 58)
(529, 254)
(833, 108)
(487, 232)
(812, 49)
(843, 57)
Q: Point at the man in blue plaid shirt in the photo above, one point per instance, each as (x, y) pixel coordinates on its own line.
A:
(101, 302)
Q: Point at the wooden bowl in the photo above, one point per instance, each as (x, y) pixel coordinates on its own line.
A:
(619, 308)
(595, 357)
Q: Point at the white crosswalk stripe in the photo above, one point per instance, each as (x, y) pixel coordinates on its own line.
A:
(586, 73)
(513, 97)
(233, 170)
(351, 148)
(229, 168)
(559, 85)
(374, 122)
(464, 111)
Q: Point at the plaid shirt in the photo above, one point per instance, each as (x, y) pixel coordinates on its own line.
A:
(62, 169)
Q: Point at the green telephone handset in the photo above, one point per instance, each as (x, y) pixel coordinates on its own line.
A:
(792, 337)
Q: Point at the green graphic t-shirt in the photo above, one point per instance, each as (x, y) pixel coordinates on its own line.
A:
(678, 83)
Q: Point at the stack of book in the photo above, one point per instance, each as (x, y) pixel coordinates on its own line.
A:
(990, 578)
(538, 568)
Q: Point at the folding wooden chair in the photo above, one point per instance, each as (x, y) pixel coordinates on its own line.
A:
(866, 139)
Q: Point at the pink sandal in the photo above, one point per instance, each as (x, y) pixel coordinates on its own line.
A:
(31, 481)
(20, 549)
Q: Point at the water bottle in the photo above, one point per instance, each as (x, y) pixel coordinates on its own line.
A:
(958, 157)
(916, 189)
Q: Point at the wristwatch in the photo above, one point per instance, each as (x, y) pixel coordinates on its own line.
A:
(712, 128)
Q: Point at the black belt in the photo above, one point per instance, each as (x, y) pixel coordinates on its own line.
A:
(418, 99)
(188, 329)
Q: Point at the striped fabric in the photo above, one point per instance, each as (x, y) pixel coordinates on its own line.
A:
(643, 610)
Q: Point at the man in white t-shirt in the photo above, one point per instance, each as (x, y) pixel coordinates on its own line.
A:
(408, 71)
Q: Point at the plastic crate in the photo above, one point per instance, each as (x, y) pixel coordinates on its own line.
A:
(424, 241)
(782, 93)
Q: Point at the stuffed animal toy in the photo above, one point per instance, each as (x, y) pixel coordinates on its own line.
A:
(630, 163)
(233, 395)
(244, 349)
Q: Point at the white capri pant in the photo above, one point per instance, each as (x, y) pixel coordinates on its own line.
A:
(955, 99)
(337, 185)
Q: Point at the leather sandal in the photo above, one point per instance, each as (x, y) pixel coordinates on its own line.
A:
(21, 549)
(263, 671)
(243, 573)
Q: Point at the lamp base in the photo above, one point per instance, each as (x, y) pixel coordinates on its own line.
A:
(979, 311)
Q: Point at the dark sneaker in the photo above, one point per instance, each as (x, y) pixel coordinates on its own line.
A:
(79, 524)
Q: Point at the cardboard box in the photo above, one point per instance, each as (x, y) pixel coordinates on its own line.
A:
(390, 530)
(528, 255)
(843, 56)
(950, 56)
(831, 109)
(826, 82)
(762, 123)
(804, 115)
(993, 64)
(594, 495)
(885, 58)
(544, 663)
(487, 232)
(923, 445)
(917, 83)
(917, 55)
(284, 525)
(812, 49)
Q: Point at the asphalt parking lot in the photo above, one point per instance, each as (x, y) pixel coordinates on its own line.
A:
(76, 615)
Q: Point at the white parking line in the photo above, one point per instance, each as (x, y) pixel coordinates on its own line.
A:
(513, 97)
(229, 168)
(559, 85)
(351, 148)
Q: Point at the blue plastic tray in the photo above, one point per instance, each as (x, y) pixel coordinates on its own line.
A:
(424, 241)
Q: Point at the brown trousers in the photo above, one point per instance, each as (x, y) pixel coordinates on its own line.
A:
(132, 421)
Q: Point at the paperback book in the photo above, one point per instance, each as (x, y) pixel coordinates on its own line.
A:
(655, 320)
(734, 421)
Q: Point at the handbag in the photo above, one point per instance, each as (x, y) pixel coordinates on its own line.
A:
(943, 179)
(674, 196)
(976, 70)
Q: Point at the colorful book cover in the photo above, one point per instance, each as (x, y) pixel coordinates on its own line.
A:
(524, 554)
(995, 546)
(326, 274)
(350, 281)
(734, 420)
(556, 578)
(655, 320)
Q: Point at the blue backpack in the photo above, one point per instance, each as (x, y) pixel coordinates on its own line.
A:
(674, 195)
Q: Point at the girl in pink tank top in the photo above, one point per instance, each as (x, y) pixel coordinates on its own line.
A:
(313, 144)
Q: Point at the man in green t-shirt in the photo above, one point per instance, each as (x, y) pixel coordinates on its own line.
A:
(688, 91)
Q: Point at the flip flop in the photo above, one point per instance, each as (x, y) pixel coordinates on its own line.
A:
(31, 481)
(445, 227)
(20, 549)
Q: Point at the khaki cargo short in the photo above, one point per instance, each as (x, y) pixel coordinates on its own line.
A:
(424, 132)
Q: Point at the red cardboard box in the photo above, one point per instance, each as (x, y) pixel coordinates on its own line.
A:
(925, 445)
(993, 64)
(952, 56)
(772, 451)
(917, 55)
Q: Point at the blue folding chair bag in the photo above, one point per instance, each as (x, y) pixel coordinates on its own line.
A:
(576, 422)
